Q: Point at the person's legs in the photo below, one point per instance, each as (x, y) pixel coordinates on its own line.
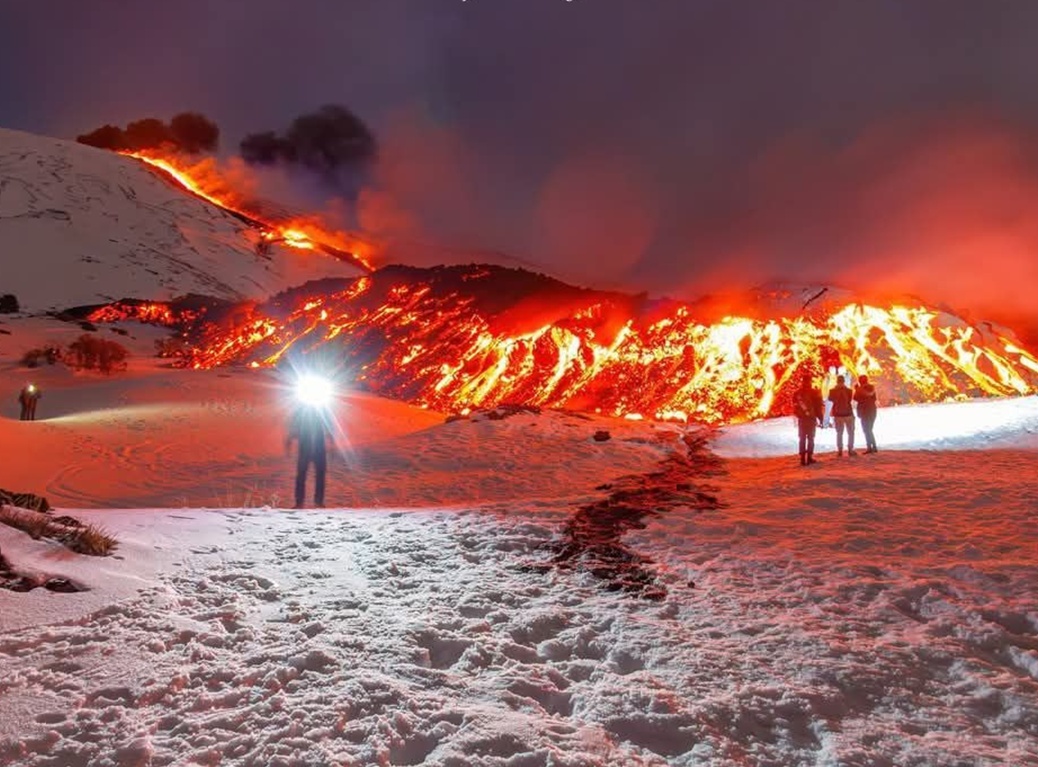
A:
(32, 410)
(811, 441)
(802, 435)
(867, 422)
(320, 468)
(850, 435)
(841, 424)
(302, 464)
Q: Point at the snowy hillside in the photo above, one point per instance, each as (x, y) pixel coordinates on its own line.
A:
(877, 610)
(82, 226)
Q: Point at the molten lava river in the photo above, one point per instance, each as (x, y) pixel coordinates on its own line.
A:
(452, 338)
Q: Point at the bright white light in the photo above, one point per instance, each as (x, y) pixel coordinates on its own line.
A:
(314, 391)
(970, 425)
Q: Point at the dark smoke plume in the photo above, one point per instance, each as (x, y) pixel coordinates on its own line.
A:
(188, 132)
(327, 142)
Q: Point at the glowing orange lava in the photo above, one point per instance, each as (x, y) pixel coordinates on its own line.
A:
(434, 345)
(206, 181)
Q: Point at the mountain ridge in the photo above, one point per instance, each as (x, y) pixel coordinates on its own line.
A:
(80, 225)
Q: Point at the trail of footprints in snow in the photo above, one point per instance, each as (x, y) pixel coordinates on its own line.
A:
(230, 649)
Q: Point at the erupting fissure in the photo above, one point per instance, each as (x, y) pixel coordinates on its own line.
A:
(307, 233)
(456, 337)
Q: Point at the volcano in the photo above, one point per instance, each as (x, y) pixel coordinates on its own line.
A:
(453, 338)
(80, 225)
(459, 337)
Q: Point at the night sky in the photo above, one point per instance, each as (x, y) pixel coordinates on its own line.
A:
(676, 146)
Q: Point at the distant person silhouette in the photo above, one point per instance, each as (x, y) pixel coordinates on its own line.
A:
(311, 426)
(865, 396)
(843, 415)
(28, 398)
(808, 409)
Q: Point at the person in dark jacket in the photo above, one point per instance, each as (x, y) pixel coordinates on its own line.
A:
(808, 409)
(28, 398)
(312, 427)
(865, 396)
(843, 415)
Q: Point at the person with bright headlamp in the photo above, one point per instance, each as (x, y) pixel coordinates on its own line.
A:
(311, 425)
(28, 398)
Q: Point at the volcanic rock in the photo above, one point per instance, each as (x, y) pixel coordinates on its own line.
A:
(601, 435)
(24, 500)
(60, 586)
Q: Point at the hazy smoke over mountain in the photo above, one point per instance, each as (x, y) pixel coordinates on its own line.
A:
(946, 209)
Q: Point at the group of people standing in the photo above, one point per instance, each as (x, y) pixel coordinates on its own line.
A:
(812, 411)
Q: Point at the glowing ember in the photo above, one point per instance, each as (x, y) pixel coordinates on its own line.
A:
(205, 180)
(446, 340)
(149, 312)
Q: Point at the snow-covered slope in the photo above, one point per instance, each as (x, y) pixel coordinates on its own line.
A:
(877, 610)
(80, 226)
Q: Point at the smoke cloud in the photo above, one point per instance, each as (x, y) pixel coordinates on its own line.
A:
(187, 132)
(332, 142)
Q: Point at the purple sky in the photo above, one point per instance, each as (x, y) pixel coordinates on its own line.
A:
(670, 145)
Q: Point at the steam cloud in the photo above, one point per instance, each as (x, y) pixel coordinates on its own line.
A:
(187, 132)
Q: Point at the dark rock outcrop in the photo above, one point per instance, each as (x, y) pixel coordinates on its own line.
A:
(24, 500)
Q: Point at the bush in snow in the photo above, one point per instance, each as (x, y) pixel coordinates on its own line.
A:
(91, 353)
(48, 354)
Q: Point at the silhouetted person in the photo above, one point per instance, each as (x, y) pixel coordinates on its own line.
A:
(843, 415)
(312, 427)
(828, 378)
(808, 409)
(865, 396)
(28, 398)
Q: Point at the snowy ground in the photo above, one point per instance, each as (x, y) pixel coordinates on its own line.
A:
(880, 610)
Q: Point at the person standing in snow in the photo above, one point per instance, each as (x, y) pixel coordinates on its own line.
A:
(808, 409)
(311, 426)
(28, 398)
(843, 415)
(827, 378)
(865, 396)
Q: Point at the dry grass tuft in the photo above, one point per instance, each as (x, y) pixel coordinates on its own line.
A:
(92, 540)
(83, 539)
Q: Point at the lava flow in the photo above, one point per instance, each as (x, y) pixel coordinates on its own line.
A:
(304, 233)
(452, 338)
